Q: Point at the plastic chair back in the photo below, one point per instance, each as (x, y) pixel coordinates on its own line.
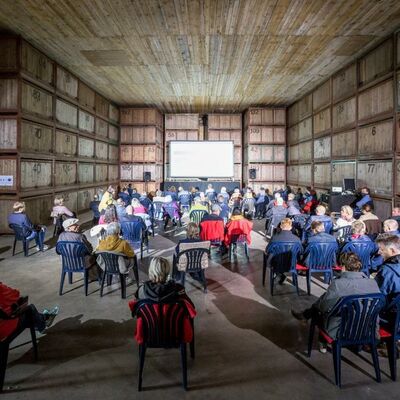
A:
(20, 232)
(72, 255)
(197, 215)
(132, 231)
(284, 255)
(110, 262)
(364, 250)
(321, 256)
(158, 210)
(194, 258)
(185, 200)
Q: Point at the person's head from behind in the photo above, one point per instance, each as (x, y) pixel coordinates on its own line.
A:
(223, 189)
(59, 201)
(120, 203)
(197, 200)
(180, 189)
(286, 224)
(110, 214)
(96, 197)
(350, 262)
(209, 186)
(220, 199)
(358, 228)
(192, 231)
(125, 189)
(279, 201)
(236, 191)
(317, 227)
(291, 196)
(236, 211)
(71, 225)
(216, 209)
(277, 195)
(396, 212)
(299, 190)
(19, 207)
(113, 229)
(346, 212)
(366, 208)
(320, 210)
(159, 270)
(365, 191)
(389, 246)
(172, 189)
(135, 203)
(390, 225)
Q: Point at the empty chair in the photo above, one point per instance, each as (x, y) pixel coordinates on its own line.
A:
(135, 235)
(21, 234)
(358, 318)
(73, 261)
(165, 326)
(197, 215)
(112, 268)
(281, 257)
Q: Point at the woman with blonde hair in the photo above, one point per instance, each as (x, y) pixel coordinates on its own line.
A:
(59, 209)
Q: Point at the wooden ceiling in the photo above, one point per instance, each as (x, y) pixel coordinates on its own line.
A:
(202, 55)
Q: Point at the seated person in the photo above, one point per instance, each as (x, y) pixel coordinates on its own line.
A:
(134, 194)
(235, 199)
(391, 227)
(224, 213)
(238, 225)
(345, 219)
(145, 202)
(299, 196)
(388, 275)
(124, 195)
(276, 213)
(136, 208)
(94, 207)
(372, 223)
(16, 313)
(224, 194)
(350, 282)
(59, 209)
(212, 225)
(159, 197)
(261, 203)
(197, 205)
(120, 209)
(192, 235)
(319, 235)
(310, 201)
(37, 232)
(172, 192)
(319, 216)
(110, 215)
(274, 201)
(176, 212)
(182, 192)
(72, 234)
(396, 214)
(367, 213)
(365, 198)
(107, 198)
(293, 205)
(114, 244)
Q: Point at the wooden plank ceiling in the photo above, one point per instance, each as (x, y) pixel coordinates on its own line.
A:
(202, 55)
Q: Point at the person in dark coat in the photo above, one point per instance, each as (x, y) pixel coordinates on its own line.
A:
(351, 282)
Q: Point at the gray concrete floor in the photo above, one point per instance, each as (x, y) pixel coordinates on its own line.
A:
(247, 343)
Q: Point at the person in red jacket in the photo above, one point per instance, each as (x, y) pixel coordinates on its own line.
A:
(238, 225)
(17, 314)
(212, 225)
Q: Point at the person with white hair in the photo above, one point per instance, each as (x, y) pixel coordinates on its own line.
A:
(346, 217)
(391, 227)
(235, 199)
(293, 205)
(60, 209)
(136, 208)
(160, 287)
(320, 215)
(20, 218)
(113, 243)
(224, 194)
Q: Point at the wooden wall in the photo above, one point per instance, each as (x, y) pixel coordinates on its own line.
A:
(57, 135)
(349, 127)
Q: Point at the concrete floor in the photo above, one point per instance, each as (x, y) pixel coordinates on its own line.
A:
(247, 344)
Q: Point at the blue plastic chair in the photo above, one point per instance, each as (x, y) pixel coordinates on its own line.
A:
(364, 250)
(241, 239)
(184, 202)
(358, 318)
(282, 258)
(73, 261)
(135, 235)
(158, 212)
(390, 334)
(111, 268)
(20, 235)
(146, 203)
(321, 258)
(197, 215)
(163, 327)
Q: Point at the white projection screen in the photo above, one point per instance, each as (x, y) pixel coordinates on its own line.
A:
(193, 159)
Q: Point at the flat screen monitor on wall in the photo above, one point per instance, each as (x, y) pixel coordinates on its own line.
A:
(201, 159)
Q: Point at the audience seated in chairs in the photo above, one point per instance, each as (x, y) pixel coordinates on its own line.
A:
(145, 202)
(171, 212)
(16, 314)
(350, 282)
(212, 227)
(345, 219)
(30, 231)
(235, 199)
(134, 194)
(318, 234)
(320, 215)
(261, 202)
(94, 207)
(248, 203)
(293, 205)
(237, 229)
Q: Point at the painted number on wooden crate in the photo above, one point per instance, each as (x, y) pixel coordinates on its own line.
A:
(373, 131)
(38, 133)
(37, 167)
(340, 108)
(67, 168)
(254, 130)
(36, 95)
(371, 168)
(254, 112)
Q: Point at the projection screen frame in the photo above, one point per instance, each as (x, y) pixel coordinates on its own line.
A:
(203, 141)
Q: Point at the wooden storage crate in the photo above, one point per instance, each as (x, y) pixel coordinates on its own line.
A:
(265, 135)
(292, 174)
(224, 121)
(102, 106)
(342, 170)
(114, 113)
(265, 172)
(86, 122)
(376, 139)
(101, 150)
(271, 186)
(305, 129)
(101, 127)
(101, 173)
(85, 196)
(322, 175)
(8, 54)
(344, 114)
(293, 153)
(344, 144)
(322, 122)
(383, 208)
(66, 83)
(39, 209)
(66, 143)
(66, 114)
(181, 134)
(113, 174)
(300, 110)
(86, 97)
(264, 153)
(141, 116)
(182, 121)
(229, 135)
(322, 96)
(141, 135)
(293, 134)
(86, 173)
(377, 175)
(322, 148)
(344, 83)
(141, 186)
(86, 147)
(65, 173)
(305, 151)
(6, 203)
(113, 133)
(305, 171)
(258, 116)
(113, 153)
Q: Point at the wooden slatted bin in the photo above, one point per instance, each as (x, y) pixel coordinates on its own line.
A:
(382, 208)
(377, 175)
(322, 96)
(322, 148)
(224, 121)
(265, 172)
(322, 175)
(182, 121)
(141, 116)
(6, 208)
(293, 134)
(264, 153)
(66, 143)
(230, 135)
(305, 151)
(292, 174)
(265, 135)
(342, 170)
(143, 186)
(66, 114)
(86, 173)
(85, 196)
(344, 83)
(322, 122)
(101, 173)
(114, 113)
(376, 139)
(102, 106)
(141, 134)
(300, 110)
(39, 209)
(65, 173)
(305, 172)
(271, 186)
(344, 144)
(113, 133)
(344, 114)
(86, 147)
(113, 153)
(85, 122)
(86, 97)
(102, 128)
(113, 174)
(258, 116)
(101, 150)
(66, 83)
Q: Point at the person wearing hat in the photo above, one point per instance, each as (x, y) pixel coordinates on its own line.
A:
(37, 232)
(72, 234)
